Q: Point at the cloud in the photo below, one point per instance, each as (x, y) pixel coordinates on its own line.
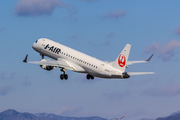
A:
(132, 113)
(74, 36)
(138, 112)
(143, 81)
(26, 82)
(7, 76)
(37, 7)
(115, 15)
(103, 43)
(91, 1)
(167, 91)
(165, 52)
(146, 119)
(107, 42)
(177, 31)
(69, 111)
(116, 95)
(72, 11)
(111, 34)
(5, 90)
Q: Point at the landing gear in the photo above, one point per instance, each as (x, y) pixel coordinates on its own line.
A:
(42, 56)
(89, 77)
(63, 76)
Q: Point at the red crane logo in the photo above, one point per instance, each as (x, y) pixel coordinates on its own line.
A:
(121, 60)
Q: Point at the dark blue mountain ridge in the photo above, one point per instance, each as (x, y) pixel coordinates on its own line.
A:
(175, 113)
(14, 115)
(171, 117)
(59, 117)
(11, 114)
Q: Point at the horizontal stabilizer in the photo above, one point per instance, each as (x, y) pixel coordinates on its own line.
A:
(144, 61)
(139, 73)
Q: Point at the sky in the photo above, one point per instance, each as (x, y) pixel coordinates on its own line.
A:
(100, 28)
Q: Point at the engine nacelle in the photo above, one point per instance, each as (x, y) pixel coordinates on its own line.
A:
(46, 67)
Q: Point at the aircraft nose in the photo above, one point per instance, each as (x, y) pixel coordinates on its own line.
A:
(34, 46)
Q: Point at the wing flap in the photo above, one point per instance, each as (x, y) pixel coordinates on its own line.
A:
(58, 63)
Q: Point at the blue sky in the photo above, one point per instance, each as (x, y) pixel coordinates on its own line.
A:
(100, 28)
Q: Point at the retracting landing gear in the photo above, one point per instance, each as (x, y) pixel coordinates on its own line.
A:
(42, 56)
(89, 77)
(63, 76)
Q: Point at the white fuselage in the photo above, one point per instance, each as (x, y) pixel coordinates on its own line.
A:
(81, 62)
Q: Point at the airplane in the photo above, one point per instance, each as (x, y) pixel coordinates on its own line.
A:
(69, 59)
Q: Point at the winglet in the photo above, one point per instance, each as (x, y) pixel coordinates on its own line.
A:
(149, 58)
(25, 60)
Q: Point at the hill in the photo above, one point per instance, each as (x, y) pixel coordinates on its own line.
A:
(14, 115)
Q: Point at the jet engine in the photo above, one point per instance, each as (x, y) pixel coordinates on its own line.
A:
(46, 67)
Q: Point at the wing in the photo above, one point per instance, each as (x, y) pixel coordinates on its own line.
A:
(139, 73)
(131, 62)
(145, 61)
(58, 63)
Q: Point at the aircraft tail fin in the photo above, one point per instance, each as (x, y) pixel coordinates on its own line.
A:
(121, 62)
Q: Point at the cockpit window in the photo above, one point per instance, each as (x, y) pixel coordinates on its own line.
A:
(36, 41)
